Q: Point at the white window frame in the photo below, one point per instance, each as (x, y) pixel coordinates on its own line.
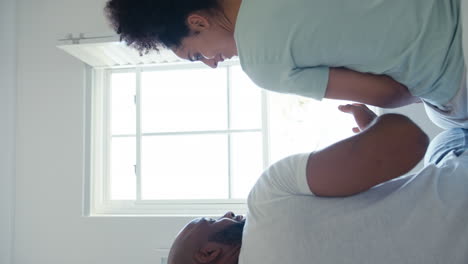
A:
(97, 200)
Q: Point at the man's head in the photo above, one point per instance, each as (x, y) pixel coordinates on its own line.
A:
(206, 240)
(195, 30)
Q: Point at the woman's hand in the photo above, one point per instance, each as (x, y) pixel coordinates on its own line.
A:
(363, 115)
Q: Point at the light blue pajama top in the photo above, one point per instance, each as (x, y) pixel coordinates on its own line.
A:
(289, 45)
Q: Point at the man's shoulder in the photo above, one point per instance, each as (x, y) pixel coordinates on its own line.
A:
(284, 178)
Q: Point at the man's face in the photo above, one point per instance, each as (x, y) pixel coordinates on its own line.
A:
(210, 45)
(207, 228)
(225, 231)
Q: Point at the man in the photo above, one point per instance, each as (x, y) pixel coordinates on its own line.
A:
(348, 204)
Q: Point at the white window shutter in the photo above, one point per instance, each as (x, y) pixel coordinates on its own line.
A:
(109, 52)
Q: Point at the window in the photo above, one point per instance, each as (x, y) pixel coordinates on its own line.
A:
(181, 134)
(183, 139)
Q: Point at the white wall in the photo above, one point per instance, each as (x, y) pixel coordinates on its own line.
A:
(7, 126)
(49, 226)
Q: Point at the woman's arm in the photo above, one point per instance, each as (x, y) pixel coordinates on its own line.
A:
(366, 88)
(389, 147)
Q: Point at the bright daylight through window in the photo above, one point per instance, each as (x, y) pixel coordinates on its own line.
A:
(185, 135)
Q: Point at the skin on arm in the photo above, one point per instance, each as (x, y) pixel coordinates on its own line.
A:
(366, 88)
(386, 148)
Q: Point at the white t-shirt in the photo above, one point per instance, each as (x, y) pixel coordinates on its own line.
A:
(417, 219)
(289, 45)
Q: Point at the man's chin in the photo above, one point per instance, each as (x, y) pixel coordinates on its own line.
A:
(231, 235)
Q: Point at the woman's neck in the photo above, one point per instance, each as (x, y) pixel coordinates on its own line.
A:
(230, 9)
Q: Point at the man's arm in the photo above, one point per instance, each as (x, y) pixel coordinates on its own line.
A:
(366, 88)
(389, 147)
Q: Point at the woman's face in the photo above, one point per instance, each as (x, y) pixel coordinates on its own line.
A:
(209, 42)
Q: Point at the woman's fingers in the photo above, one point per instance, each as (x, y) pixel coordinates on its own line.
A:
(348, 108)
(361, 113)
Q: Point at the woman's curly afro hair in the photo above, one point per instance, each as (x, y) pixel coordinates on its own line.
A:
(149, 24)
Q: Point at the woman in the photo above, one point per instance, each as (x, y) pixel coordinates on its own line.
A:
(379, 52)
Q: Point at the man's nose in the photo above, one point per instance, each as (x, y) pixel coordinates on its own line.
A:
(229, 215)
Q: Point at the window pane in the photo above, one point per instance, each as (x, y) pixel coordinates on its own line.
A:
(123, 178)
(246, 162)
(246, 104)
(185, 167)
(196, 166)
(299, 124)
(184, 100)
(123, 115)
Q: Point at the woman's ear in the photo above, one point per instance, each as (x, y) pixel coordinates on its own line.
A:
(208, 253)
(197, 23)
